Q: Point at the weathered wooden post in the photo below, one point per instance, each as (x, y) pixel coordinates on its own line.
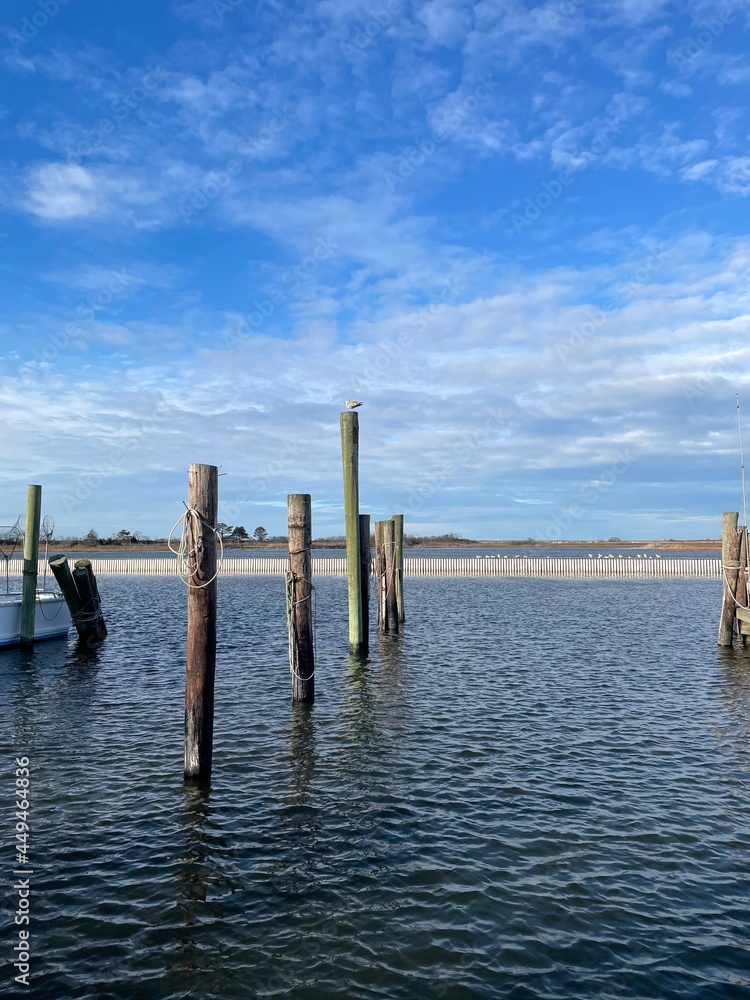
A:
(30, 558)
(389, 545)
(741, 592)
(398, 529)
(91, 604)
(365, 568)
(350, 462)
(380, 576)
(61, 572)
(385, 568)
(299, 597)
(200, 666)
(730, 565)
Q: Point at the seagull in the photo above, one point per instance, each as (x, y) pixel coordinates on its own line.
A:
(351, 404)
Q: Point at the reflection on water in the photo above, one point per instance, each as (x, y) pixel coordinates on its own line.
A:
(196, 867)
(735, 692)
(538, 789)
(301, 759)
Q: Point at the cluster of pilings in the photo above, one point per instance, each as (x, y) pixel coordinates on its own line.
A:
(389, 557)
(199, 554)
(81, 593)
(79, 588)
(735, 613)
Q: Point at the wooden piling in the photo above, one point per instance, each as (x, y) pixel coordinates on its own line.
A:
(61, 572)
(380, 576)
(365, 569)
(386, 576)
(398, 530)
(350, 463)
(200, 665)
(30, 560)
(91, 617)
(300, 597)
(389, 545)
(730, 564)
(741, 592)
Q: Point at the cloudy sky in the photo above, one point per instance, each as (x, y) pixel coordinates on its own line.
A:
(517, 231)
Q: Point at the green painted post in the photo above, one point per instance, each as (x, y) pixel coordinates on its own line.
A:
(350, 463)
(30, 557)
(365, 570)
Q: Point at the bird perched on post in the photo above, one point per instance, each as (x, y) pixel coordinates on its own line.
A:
(351, 404)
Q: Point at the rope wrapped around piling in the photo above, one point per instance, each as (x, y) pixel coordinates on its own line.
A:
(188, 558)
(291, 621)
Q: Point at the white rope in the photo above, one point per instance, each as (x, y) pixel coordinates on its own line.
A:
(291, 624)
(187, 559)
(736, 568)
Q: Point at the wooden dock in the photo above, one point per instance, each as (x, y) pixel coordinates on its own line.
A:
(629, 567)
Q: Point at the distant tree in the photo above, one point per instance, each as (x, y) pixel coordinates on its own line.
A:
(123, 537)
(614, 538)
(225, 530)
(260, 534)
(239, 534)
(92, 538)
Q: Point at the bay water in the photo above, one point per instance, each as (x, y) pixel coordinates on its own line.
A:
(540, 789)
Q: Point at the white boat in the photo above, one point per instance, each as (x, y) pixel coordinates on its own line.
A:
(52, 618)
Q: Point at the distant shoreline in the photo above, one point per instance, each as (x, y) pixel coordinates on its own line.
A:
(675, 545)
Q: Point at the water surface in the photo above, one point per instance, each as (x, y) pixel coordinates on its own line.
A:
(539, 790)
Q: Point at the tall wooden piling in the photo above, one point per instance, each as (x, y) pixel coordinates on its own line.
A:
(365, 569)
(300, 597)
(398, 531)
(200, 666)
(741, 592)
(386, 576)
(379, 576)
(730, 565)
(350, 463)
(389, 544)
(30, 558)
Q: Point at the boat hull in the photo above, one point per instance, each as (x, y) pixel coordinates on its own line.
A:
(52, 618)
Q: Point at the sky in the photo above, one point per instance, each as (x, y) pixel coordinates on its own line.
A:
(517, 232)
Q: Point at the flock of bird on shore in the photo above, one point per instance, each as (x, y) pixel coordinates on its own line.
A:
(599, 555)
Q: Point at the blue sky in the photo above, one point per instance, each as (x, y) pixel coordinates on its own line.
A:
(517, 231)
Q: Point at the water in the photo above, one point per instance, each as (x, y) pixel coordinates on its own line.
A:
(539, 790)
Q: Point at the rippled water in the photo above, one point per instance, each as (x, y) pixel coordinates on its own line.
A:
(539, 790)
